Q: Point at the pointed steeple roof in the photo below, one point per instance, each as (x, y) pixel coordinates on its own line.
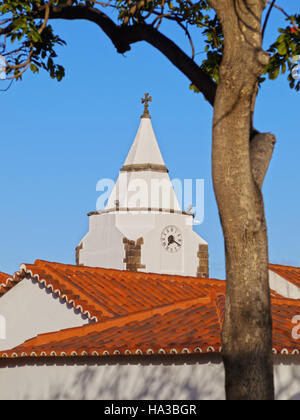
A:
(144, 167)
(145, 149)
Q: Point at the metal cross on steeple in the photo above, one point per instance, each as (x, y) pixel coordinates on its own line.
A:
(146, 101)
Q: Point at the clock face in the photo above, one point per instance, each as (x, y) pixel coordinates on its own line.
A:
(171, 239)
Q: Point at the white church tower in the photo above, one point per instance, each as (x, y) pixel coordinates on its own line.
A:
(142, 227)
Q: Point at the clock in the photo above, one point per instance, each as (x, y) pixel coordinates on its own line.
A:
(171, 239)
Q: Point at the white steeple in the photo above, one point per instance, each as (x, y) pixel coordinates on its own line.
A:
(143, 226)
(145, 148)
(144, 182)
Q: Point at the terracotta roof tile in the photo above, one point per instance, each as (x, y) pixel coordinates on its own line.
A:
(189, 326)
(291, 274)
(3, 277)
(6, 283)
(186, 326)
(142, 313)
(106, 293)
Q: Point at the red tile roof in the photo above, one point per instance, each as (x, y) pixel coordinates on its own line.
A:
(105, 293)
(3, 276)
(182, 327)
(6, 283)
(291, 274)
(141, 313)
(190, 326)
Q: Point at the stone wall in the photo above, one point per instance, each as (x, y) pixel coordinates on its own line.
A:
(203, 257)
(133, 254)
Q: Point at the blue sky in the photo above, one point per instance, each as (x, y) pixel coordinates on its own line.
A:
(58, 139)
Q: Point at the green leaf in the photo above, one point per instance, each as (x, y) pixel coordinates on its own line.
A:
(282, 49)
(34, 68)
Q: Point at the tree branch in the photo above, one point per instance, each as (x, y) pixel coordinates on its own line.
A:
(123, 36)
(267, 18)
(177, 57)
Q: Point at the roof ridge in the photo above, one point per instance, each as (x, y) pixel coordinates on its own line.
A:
(88, 296)
(8, 284)
(6, 281)
(20, 275)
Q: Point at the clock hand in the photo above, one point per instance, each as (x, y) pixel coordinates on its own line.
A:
(171, 240)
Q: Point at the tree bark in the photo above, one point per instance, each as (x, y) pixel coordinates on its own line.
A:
(239, 168)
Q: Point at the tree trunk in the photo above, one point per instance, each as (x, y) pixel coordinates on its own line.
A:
(239, 168)
(238, 173)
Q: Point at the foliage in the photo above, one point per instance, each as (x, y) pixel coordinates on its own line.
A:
(29, 42)
(282, 51)
(36, 43)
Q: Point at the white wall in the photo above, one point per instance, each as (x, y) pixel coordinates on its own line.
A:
(29, 309)
(143, 189)
(114, 381)
(287, 378)
(158, 260)
(283, 287)
(103, 245)
(162, 378)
